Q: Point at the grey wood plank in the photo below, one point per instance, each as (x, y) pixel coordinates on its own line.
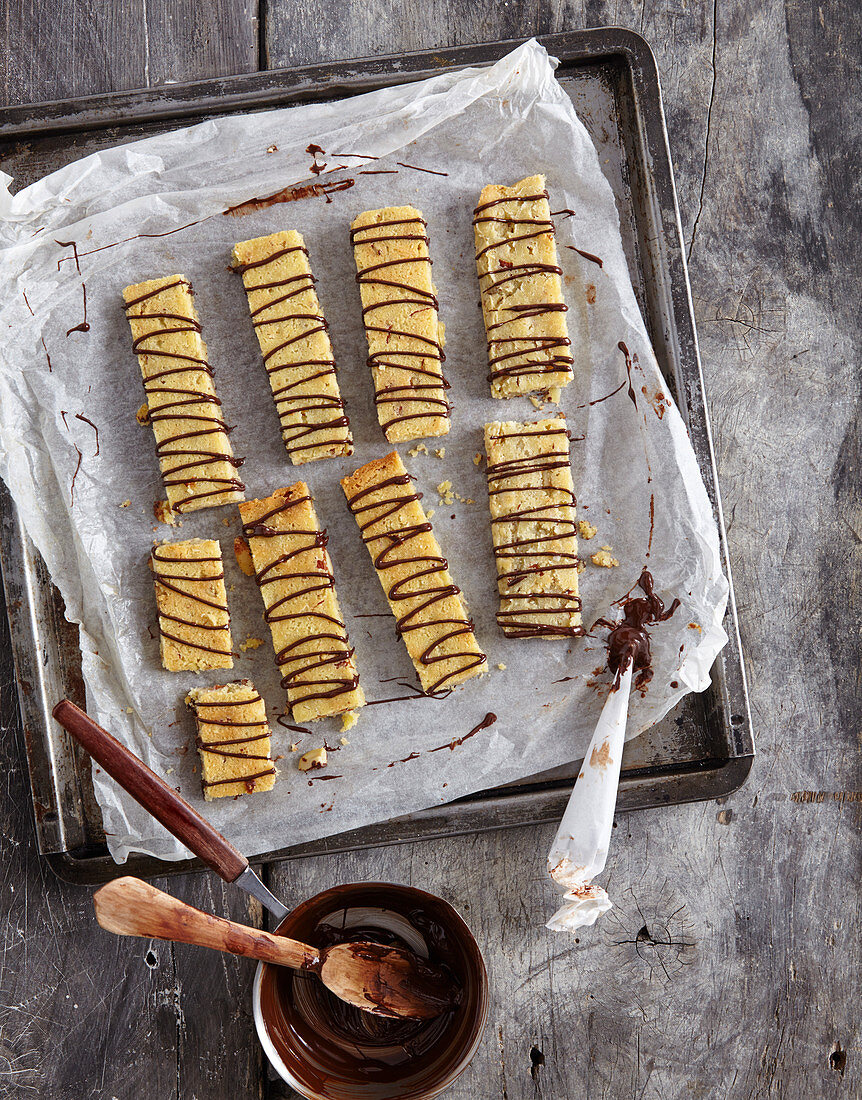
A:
(85, 1014)
(78, 47)
(731, 964)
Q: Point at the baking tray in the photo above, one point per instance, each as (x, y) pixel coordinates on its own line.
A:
(703, 749)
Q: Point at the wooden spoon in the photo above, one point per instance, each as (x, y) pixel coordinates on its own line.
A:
(387, 981)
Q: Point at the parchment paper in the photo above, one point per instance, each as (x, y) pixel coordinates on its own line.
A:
(155, 207)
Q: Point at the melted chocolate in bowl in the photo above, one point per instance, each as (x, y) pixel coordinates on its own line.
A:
(333, 1051)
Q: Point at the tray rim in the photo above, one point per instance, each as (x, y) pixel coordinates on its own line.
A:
(705, 779)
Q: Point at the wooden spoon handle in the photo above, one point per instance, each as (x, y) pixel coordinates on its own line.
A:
(152, 792)
(131, 907)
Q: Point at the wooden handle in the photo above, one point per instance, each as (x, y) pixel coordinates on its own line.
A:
(131, 907)
(152, 792)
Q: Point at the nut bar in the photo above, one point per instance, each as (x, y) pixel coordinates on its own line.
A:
(534, 524)
(294, 573)
(400, 311)
(194, 621)
(427, 605)
(192, 445)
(522, 292)
(233, 740)
(294, 341)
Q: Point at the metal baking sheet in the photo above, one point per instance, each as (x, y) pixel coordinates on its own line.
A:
(703, 748)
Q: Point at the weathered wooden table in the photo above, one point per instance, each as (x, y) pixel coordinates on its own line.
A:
(731, 965)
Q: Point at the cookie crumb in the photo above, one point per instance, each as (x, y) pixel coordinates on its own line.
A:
(604, 558)
(348, 721)
(440, 452)
(162, 512)
(419, 449)
(250, 643)
(554, 395)
(586, 530)
(343, 741)
(314, 758)
(478, 458)
(243, 556)
(125, 504)
(444, 490)
(143, 414)
(501, 667)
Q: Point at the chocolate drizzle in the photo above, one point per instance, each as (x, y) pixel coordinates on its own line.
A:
(628, 641)
(307, 419)
(538, 541)
(389, 542)
(289, 194)
(523, 355)
(185, 587)
(224, 748)
(75, 475)
(587, 255)
(326, 648)
(83, 326)
(416, 168)
(411, 353)
(182, 466)
(87, 420)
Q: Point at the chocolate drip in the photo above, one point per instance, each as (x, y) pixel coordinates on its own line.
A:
(84, 325)
(328, 648)
(87, 420)
(520, 356)
(628, 641)
(417, 584)
(538, 550)
(402, 345)
(416, 168)
(587, 255)
(183, 408)
(294, 409)
(222, 748)
(184, 586)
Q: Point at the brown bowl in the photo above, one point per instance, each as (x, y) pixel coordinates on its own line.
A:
(329, 1051)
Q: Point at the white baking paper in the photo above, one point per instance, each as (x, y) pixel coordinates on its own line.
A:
(156, 207)
(580, 848)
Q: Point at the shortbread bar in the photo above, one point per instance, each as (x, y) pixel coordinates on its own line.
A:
(427, 605)
(294, 341)
(233, 740)
(400, 311)
(194, 622)
(294, 573)
(192, 445)
(522, 292)
(534, 524)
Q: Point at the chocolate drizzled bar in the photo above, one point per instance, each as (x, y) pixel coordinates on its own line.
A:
(194, 621)
(233, 740)
(400, 312)
(522, 292)
(192, 444)
(533, 523)
(294, 573)
(293, 337)
(427, 605)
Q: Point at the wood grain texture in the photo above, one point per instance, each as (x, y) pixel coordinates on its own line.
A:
(77, 47)
(730, 966)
